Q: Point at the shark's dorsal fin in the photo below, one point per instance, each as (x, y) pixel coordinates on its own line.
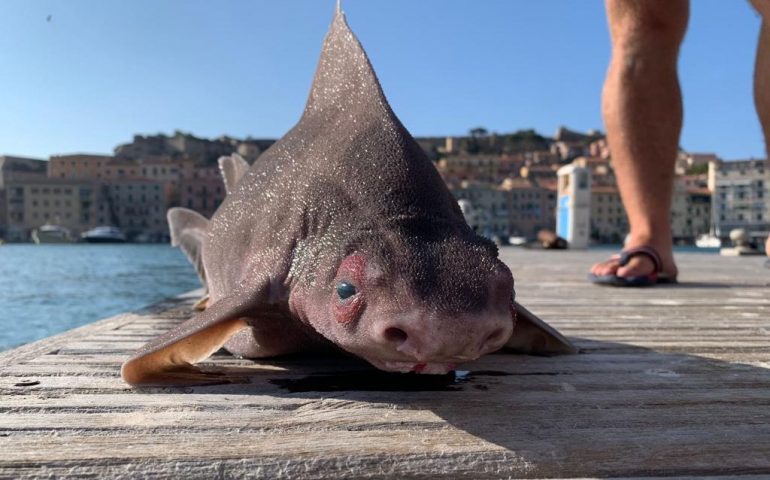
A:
(233, 168)
(345, 80)
(188, 230)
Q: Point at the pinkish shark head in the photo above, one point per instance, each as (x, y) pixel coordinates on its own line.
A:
(410, 302)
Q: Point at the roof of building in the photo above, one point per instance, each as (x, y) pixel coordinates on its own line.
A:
(516, 183)
(604, 189)
(81, 156)
(698, 191)
(548, 183)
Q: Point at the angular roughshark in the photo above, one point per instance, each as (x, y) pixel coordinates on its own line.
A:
(341, 234)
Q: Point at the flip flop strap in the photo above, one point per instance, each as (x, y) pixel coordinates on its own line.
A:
(627, 255)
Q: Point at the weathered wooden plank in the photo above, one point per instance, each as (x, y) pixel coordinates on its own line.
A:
(673, 381)
(528, 455)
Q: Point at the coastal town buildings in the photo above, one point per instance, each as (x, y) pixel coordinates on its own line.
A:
(688, 162)
(609, 223)
(487, 206)
(531, 207)
(131, 190)
(480, 168)
(740, 197)
(138, 206)
(20, 169)
(507, 184)
(698, 209)
(64, 202)
(517, 207)
(16, 170)
(202, 191)
(77, 166)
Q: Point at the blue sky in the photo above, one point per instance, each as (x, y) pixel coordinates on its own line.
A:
(101, 70)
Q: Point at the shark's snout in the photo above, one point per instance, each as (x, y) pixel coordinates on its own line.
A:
(420, 337)
(416, 339)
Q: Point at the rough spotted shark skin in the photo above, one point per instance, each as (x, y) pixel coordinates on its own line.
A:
(341, 236)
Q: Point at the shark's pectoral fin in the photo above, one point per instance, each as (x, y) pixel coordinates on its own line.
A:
(188, 230)
(174, 365)
(233, 168)
(534, 336)
(201, 304)
(170, 359)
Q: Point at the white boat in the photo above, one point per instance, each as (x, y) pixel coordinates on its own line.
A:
(707, 240)
(104, 234)
(49, 233)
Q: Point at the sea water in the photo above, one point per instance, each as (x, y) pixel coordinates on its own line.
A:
(47, 289)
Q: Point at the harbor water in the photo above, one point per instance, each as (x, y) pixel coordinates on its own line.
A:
(48, 289)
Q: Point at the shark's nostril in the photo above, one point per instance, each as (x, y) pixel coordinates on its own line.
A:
(395, 335)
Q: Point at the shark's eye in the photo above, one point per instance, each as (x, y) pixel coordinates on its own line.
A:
(345, 290)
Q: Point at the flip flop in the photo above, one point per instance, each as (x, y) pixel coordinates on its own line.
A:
(625, 256)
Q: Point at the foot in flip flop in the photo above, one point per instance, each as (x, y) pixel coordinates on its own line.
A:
(641, 266)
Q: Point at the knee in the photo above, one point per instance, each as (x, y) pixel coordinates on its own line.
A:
(763, 7)
(660, 24)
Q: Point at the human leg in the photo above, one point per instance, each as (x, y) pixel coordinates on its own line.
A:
(642, 109)
(762, 78)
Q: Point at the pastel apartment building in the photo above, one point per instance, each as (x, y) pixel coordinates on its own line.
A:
(32, 203)
(740, 197)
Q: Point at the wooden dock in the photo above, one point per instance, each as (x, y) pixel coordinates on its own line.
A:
(671, 381)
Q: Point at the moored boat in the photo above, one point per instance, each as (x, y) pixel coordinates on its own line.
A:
(104, 234)
(707, 241)
(49, 233)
